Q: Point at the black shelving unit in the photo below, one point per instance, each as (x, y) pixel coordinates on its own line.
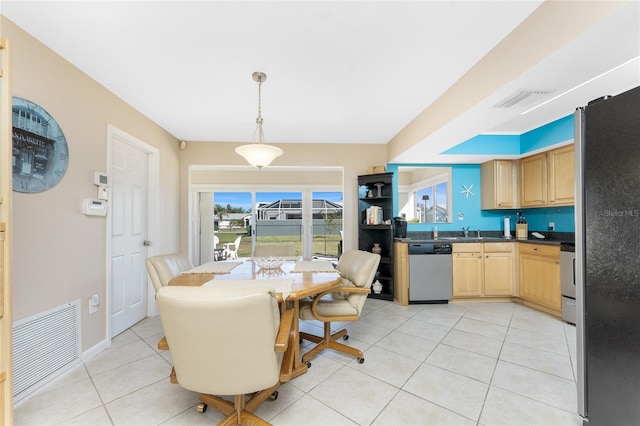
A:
(381, 196)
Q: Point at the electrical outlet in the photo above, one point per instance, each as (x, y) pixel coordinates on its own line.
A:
(94, 301)
(552, 226)
(92, 308)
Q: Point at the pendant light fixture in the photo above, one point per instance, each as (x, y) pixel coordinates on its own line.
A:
(259, 154)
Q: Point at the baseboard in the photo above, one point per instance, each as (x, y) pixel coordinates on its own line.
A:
(94, 350)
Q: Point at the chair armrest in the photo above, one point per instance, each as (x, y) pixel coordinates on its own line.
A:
(342, 289)
(282, 339)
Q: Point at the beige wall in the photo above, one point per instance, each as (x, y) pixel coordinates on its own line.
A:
(354, 158)
(249, 175)
(59, 254)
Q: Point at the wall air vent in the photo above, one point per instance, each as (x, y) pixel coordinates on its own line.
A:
(522, 97)
(44, 345)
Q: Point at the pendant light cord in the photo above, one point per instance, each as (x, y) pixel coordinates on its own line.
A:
(259, 120)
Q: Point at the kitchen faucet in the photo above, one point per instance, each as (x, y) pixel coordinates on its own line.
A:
(466, 231)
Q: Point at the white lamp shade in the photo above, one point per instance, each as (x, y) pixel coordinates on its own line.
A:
(259, 154)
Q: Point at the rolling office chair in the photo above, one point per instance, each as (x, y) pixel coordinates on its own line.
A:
(345, 303)
(238, 351)
(164, 267)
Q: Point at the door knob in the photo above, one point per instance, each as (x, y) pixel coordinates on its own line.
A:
(146, 243)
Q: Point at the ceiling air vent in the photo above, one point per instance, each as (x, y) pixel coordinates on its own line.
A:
(522, 98)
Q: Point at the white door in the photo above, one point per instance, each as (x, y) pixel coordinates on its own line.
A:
(129, 199)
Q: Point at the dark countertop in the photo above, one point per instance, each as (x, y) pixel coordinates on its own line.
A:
(479, 240)
(555, 239)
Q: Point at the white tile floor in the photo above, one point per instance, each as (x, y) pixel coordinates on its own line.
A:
(456, 364)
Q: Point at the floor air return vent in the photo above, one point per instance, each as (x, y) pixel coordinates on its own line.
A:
(43, 345)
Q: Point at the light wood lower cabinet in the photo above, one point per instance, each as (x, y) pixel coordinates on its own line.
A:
(539, 275)
(483, 270)
(467, 270)
(401, 273)
(499, 269)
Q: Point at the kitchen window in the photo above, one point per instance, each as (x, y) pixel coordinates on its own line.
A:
(424, 194)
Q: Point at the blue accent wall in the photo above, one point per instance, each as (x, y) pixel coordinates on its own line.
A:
(550, 134)
(539, 218)
(555, 132)
(488, 144)
(469, 175)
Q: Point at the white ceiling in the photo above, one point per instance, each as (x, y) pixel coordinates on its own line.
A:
(338, 72)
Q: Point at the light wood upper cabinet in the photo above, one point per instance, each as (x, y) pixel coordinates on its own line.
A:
(561, 176)
(546, 179)
(533, 178)
(499, 188)
(539, 280)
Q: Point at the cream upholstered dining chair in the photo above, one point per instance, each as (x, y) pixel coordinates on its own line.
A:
(239, 351)
(164, 267)
(231, 249)
(275, 250)
(345, 303)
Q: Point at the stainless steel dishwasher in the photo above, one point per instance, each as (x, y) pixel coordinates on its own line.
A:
(430, 273)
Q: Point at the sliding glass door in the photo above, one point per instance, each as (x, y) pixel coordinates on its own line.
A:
(308, 219)
(279, 219)
(327, 224)
(224, 217)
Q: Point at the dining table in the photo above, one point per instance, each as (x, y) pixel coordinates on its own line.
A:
(308, 278)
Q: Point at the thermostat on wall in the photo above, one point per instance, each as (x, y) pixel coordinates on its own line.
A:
(94, 207)
(100, 179)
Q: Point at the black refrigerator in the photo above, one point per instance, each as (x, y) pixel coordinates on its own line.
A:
(607, 142)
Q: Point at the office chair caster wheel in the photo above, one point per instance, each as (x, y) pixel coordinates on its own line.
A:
(308, 364)
(346, 337)
(202, 407)
(273, 396)
(360, 360)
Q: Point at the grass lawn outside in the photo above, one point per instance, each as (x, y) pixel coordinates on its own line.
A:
(322, 245)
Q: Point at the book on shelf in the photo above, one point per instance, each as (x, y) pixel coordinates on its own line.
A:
(374, 216)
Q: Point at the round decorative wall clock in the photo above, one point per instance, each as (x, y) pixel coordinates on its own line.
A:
(40, 153)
